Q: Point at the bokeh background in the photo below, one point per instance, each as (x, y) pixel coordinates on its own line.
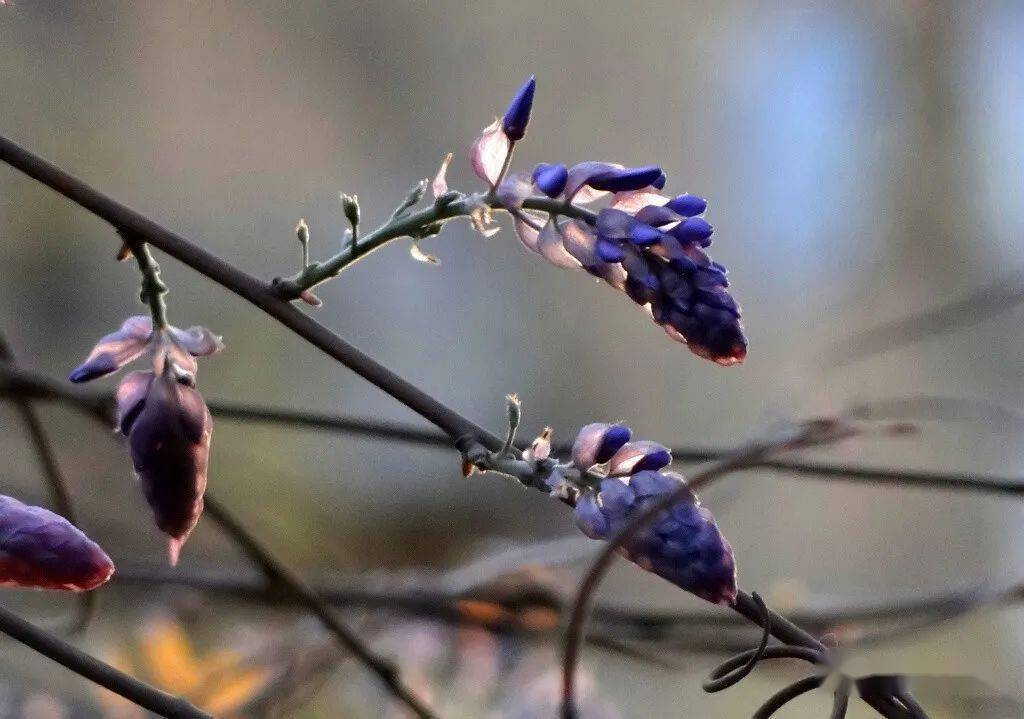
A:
(862, 161)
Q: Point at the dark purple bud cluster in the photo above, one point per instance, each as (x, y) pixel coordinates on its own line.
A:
(646, 244)
(42, 550)
(164, 417)
(684, 545)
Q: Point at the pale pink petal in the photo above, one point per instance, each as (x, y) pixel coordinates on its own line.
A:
(514, 189)
(115, 350)
(579, 241)
(166, 347)
(130, 395)
(632, 202)
(525, 231)
(575, 185)
(440, 184)
(625, 461)
(549, 243)
(489, 153)
(197, 341)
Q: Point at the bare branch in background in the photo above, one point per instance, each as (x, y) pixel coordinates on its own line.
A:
(988, 301)
(93, 669)
(18, 381)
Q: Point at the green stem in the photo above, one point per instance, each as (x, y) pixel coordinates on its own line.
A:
(153, 288)
(407, 226)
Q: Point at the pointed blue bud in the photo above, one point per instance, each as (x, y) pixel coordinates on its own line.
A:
(643, 235)
(687, 205)
(626, 179)
(517, 117)
(609, 251)
(695, 230)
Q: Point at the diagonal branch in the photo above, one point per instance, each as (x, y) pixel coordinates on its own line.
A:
(251, 288)
(99, 672)
(988, 301)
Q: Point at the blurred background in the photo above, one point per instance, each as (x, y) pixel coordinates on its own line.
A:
(863, 162)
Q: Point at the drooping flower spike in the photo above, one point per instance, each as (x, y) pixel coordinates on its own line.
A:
(169, 428)
(644, 243)
(42, 550)
(163, 416)
(684, 545)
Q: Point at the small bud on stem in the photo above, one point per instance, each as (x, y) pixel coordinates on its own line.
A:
(302, 233)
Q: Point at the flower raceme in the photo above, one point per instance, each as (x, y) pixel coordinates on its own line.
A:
(42, 550)
(684, 545)
(644, 243)
(163, 416)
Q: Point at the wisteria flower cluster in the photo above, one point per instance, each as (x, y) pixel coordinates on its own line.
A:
(683, 546)
(42, 550)
(163, 416)
(644, 243)
(611, 479)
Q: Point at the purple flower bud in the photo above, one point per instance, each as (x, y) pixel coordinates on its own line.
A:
(625, 179)
(596, 443)
(609, 251)
(687, 205)
(550, 178)
(614, 224)
(643, 235)
(683, 546)
(42, 550)
(637, 456)
(115, 350)
(694, 230)
(659, 184)
(657, 215)
(168, 428)
(517, 117)
(136, 337)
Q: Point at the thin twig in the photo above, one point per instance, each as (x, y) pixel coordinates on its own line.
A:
(96, 671)
(988, 301)
(286, 578)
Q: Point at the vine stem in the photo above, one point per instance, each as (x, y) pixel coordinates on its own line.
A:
(88, 666)
(405, 226)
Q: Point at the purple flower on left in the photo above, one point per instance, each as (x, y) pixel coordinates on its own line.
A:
(165, 419)
(42, 550)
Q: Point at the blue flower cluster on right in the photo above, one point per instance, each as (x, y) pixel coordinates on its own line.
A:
(649, 245)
